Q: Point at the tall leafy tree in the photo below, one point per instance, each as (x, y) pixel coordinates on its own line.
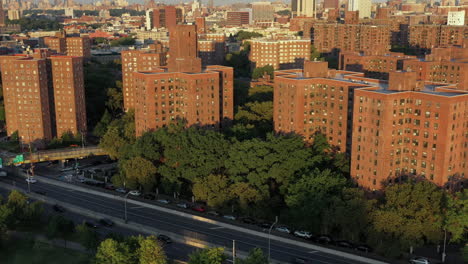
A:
(113, 252)
(411, 213)
(140, 171)
(457, 216)
(214, 190)
(150, 251)
(311, 195)
(256, 256)
(208, 256)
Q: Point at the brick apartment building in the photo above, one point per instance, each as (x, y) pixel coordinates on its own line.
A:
(44, 96)
(184, 90)
(445, 65)
(372, 65)
(389, 129)
(167, 17)
(435, 36)
(332, 37)
(281, 53)
(237, 18)
(145, 60)
(403, 128)
(70, 46)
(311, 100)
(69, 95)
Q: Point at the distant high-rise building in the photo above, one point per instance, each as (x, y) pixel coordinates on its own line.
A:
(2, 14)
(363, 6)
(166, 17)
(69, 12)
(201, 25)
(14, 14)
(329, 4)
(304, 8)
(237, 18)
(211, 3)
(262, 12)
(456, 18)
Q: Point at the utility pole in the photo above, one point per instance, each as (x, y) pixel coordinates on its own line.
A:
(445, 241)
(233, 251)
(269, 239)
(125, 205)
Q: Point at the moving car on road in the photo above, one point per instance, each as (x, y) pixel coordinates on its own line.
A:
(90, 224)
(106, 222)
(31, 180)
(57, 208)
(165, 239)
(135, 193)
(302, 234)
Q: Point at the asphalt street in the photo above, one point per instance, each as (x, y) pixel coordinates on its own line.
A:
(175, 251)
(183, 226)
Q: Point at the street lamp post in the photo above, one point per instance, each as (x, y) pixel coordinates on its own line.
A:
(445, 241)
(125, 205)
(269, 239)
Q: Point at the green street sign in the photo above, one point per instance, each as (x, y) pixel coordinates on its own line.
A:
(1, 163)
(18, 159)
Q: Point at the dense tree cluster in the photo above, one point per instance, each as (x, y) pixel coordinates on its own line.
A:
(131, 250)
(243, 35)
(36, 23)
(261, 71)
(124, 41)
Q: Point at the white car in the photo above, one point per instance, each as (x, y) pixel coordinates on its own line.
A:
(183, 205)
(121, 190)
(419, 260)
(31, 180)
(163, 201)
(303, 234)
(230, 217)
(283, 229)
(135, 193)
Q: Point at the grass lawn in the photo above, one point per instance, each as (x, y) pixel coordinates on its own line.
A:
(21, 251)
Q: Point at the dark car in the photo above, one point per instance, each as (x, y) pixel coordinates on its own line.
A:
(90, 224)
(100, 184)
(248, 220)
(58, 208)
(344, 244)
(106, 222)
(300, 261)
(199, 208)
(40, 192)
(324, 239)
(364, 248)
(165, 239)
(149, 196)
(109, 187)
(265, 225)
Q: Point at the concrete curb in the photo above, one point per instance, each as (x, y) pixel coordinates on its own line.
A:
(211, 221)
(129, 225)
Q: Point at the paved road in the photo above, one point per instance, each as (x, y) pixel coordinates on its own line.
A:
(175, 251)
(180, 225)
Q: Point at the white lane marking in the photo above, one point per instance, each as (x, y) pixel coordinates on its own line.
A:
(314, 251)
(217, 227)
(137, 207)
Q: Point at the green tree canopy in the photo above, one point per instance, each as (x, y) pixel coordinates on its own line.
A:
(208, 256)
(114, 252)
(150, 251)
(214, 190)
(261, 71)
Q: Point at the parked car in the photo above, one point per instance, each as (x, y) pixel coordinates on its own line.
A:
(57, 208)
(303, 234)
(214, 213)
(344, 244)
(265, 225)
(199, 208)
(324, 239)
(82, 180)
(364, 248)
(165, 239)
(419, 260)
(229, 217)
(90, 224)
(183, 205)
(31, 180)
(149, 196)
(283, 229)
(248, 220)
(164, 201)
(109, 187)
(3, 173)
(121, 190)
(106, 222)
